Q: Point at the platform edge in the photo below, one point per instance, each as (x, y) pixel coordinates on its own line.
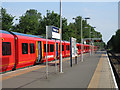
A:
(116, 86)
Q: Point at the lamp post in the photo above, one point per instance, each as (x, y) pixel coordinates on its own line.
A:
(81, 42)
(89, 35)
(92, 43)
(60, 67)
(89, 39)
(82, 38)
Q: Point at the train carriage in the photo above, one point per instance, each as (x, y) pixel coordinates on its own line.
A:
(25, 50)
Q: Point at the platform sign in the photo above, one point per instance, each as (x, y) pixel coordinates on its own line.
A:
(73, 47)
(53, 32)
(73, 50)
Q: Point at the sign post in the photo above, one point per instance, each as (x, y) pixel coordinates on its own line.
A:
(71, 51)
(54, 32)
(46, 53)
(55, 56)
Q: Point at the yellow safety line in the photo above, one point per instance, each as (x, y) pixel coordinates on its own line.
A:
(96, 77)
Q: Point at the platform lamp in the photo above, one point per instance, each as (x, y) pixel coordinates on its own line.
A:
(82, 37)
(89, 34)
(92, 43)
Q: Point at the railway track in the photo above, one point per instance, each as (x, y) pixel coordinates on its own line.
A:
(115, 62)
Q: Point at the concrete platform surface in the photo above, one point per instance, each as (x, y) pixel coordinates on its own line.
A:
(93, 72)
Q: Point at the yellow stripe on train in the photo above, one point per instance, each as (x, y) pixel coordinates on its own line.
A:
(42, 49)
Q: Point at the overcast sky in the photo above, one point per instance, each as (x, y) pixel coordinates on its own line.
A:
(104, 15)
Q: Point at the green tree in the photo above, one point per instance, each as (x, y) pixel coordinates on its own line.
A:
(53, 19)
(65, 35)
(29, 22)
(77, 28)
(114, 42)
(117, 41)
(71, 30)
(32, 22)
(7, 20)
(111, 44)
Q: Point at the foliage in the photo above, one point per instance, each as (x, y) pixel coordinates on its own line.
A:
(53, 19)
(33, 23)
(7, 20)
(29, 22)
(76, 27)
(114, 42)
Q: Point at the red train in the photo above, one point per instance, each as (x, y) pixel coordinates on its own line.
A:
(21, 50)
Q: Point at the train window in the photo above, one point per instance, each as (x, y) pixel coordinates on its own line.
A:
(62, 47)
(78, 47)
(59, 47)
(6, 48)
(51, 48)
(45, 47)
(24, 48)
(67, 47)
(84, 47)
(32, 48)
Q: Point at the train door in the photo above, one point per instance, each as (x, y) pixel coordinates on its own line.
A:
(56, 49)
(39, 51)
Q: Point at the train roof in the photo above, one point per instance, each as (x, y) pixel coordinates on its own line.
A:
(21, 34)
(3, 31)
(28, 35)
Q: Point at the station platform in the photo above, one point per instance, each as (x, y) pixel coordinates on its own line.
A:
(94, 72)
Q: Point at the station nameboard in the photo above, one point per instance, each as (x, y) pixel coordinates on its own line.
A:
(53, 32)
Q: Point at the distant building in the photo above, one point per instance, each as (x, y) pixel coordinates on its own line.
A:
(119, 15)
